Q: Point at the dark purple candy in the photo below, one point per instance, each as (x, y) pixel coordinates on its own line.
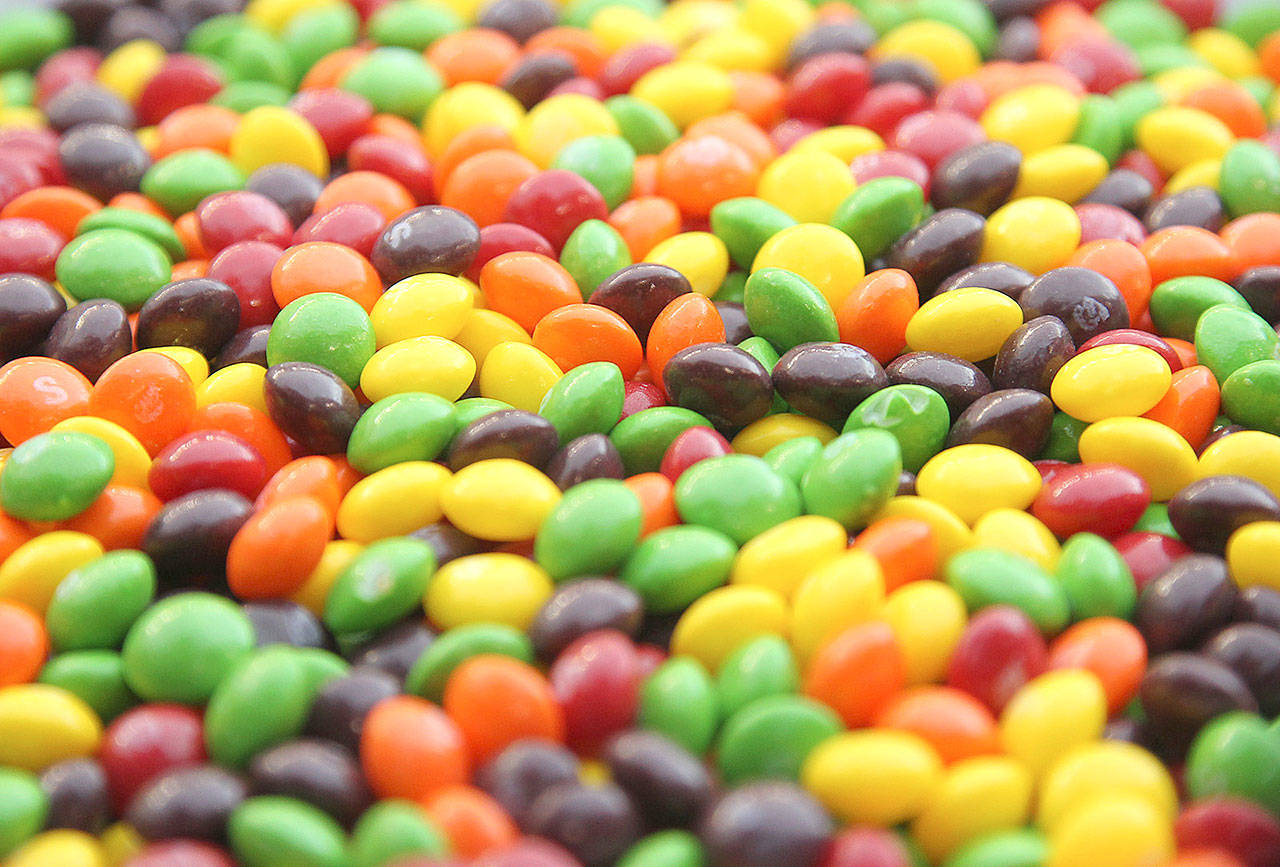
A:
(432, 239)
(1206, 512)
(319, 772)
(766, 825)
(590, 456)
(506, 433)
(727, 385)
(1186, 603)
(1018, 419)
(90, 337)
(1033, 354)
(828, 380)
(583, 606)
(341, 705)
(638, 293)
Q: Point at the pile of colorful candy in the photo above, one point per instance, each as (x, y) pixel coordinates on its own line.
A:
(729, 433)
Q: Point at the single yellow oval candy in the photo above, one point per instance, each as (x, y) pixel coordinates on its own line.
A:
(971, 323)
(1037, 233)
(874, 776)
(700, 256)
(272, 134)
(941, 47)
(977, 796)
(783, 556)
(841, 592)
(809, 185)
(1104, 768)
(63, 848)
(241, 382)
(32, 572)
(1052, 714)
(1253, 454)
(487, 588)
(927, 618)
(1032, 118)
(772, 430)
(519, 374)
(1152, 450)
(1108, 381)
(423, 305)
(435, 365)
(719, 622)
(685, 91)
(1176, 136)
(393, 501)
(1066, 171)
(1111, 831)
(500, 499)
(1253, 553)
(973, 479)
(41, 725)
(1020, 532)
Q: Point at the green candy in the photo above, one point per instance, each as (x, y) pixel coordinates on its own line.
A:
(381, 585)
(770, 738)
(606, 161)
(1021, 848)
(412, 24)
(255, 55)
(578, 13)
(319, 666)
(243, 97)
(113, 263)
(1155, 519)
(1250, 178)
(762, 351)
(594, 251)
(1159, 58)
(970, 17)
(391, 830)
(673, 566)
(590, 531)
(1236, 755)
(1141, 22)
(411, 426)
(181, 181)
(1133, 101)
(642, 124)
(1064, 439)
(213, 36)
(587, 399)
(760, 668)
(182, 647)
(917, 417)
(988, 576)
(96, 677)
(396, 81)
(1095, 578)
(1253, 22)
(326, 329)
(148, 226)
(745, 224)
(792, 459)
(1100, 127)
(673, 848)
(273, 831)
(431, 671)
(1177, 304)
(1251, 396)
(472, 409)
(1228, 338)
(732, 287)
(853, 478)
(23, 807)
(679, 701)
(642, 438)
(31, 35)
(17, 87)
(880, 212)
(786, 309)
(739, 495)
(313, 33)
(262, 703)
(95, 605)
(54, 476)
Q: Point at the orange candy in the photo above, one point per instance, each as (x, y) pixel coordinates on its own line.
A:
(474, 822)
(195, 126)
(37, 393)
(251, 425)
(136, 202)
(905, 548)
(59, 208)
(147, 394)
(497, 700)
(1111, 648)
(118, 518)
(1181, 251)
(323, 266)
(657, 499)
(482, 184)
(758, 95)
(580, 333)
(329, 70)
(1232, 104)
(385, 195)
(698, 173)
(314, 476)
(13, 535)
(582, 47)
(24, 643)
(687, 320)
(736, 128)
(857, 672)
(1254, 240)
(187, 228)
(644, 222)
(471, 141)
(1190, 406)
(955, 723)
(1269, 56)
(1124, 265)
(409, 748)
(479, 54)
(527, 286)
(274, 552)
(875, 314)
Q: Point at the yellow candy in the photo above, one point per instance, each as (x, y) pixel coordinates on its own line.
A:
(732, 49)
(127, 70)
(1175, 85)
(519, 374)
(1177, 136)
(32, 572)
(939, 46)
(1152, 450)
(683, 21)
(1067, 171)
(1111, 831)
(843, 142)
(1253, 553)
(700, 256)
(1052, 714)
(337, 556)
(41, 725)
(718, 622)
(465, 105)
(1019, 532)
(235, 383)
(837, 594)
(928, 618)
(760, 436)
(953, 535)
(1225, 52)
(273, 15)
(1205, 173)
(393, 502)
(975, 478)
(808, 185)
(1033, 118)
(61, 848)
(1109, 381)
(501, 499)
(132, 460)
(487, 588)
(193, 363)
(777, 22)
(424, 305)
(1104, 768)
(873, 777)
(431, 364)
(554, 122)
(1249, 453)
(782, 556)
(821, 254)
(685, 91)
(271, 134)
(971, 323)
(619, 27)
(120, 842)
(22, 117)
(485, 329)
(1036, 233)
(976, 796)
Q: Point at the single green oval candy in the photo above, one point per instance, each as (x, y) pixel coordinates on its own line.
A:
(411, 426)
(54, 476)
(1024, 847)
(672, 848)
(397, 81)
(917, 417)
(213, 36)
(787, 310)
(181, 180)
(272, 831)
(854, 477)
(1227, 338)
(473, 408)
(678, 700)
(1251, 396)
(412, 24)
(642, 124)
(608, 164)
(643, 437)
(1095, 578)
(673, 566)
(745, 223)
(17, 87)
(590, 531)
(113, 263)
(880, 212)
(314, 33)
(1159, 58)
(762, 667)
(732, 287)
(382, 584)
(147, 225)
(1252, 22)
(578, 13)
(1064, 439)
(94, 676)
(95, 604)
(593, 252)
(31, 35)
(792, 459)
(182, 647)
(326, 329)
(739, 495)
(1177, 304)
(23, 807)
(1133, 101)
(587, 399)
(1155, 519)
(453, 647)
(988, 576)
(770, 738)
(1237, 755)
(1141, 22)
(391, 830)
(243, 97)
(255, 55)
(319, 666)
(1249, 180)
(1100, 127)
(263, 702)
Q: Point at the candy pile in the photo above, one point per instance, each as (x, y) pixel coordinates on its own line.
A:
(727, 433)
